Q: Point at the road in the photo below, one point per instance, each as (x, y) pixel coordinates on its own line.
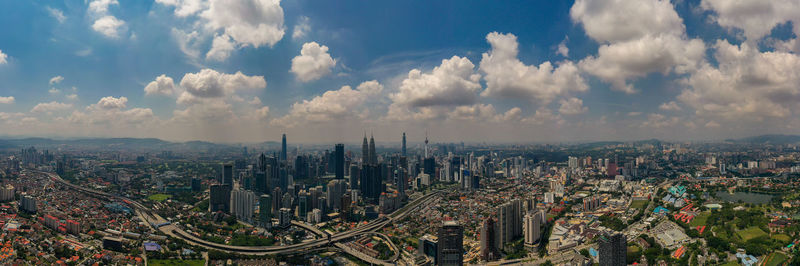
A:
(170, 229)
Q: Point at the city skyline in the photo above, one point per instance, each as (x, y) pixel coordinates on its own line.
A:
(327, 72)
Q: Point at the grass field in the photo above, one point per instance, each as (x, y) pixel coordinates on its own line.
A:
(750, 233)
(700, 219)
(176, 262)
(783, 238)
(159, 197)
(639, 204)
(730, 263)
(776, 259)
(633, 249)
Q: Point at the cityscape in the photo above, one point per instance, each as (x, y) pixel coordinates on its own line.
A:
(268, 132)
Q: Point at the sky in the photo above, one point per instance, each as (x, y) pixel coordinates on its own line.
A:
(243, 71)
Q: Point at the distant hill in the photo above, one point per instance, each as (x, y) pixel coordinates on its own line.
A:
(769, 139)
(111, 143)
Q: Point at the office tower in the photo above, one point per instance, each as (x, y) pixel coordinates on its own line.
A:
(301, 167)
(402, 182)
(302, 204)
(336, 189)
(611, 170)
(488, 235)
(227, 174)
(283, 148)
(403, 149)
(242, 204)
(509, 222)
(197, 184)
(531, 224)
(429, 166)
(429, 246)
(373, 157)
(354, 175)
(365, 151)
(283, 175)
(371, 185)
(220, 199)
(7, 193)
(260, 183)
(339, 161)
(265, 211)
(451, 244)
(613, 249)
(277, 198)
(28, 203)
(572, 163)
(284, 217)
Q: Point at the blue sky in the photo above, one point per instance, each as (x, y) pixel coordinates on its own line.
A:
(479, 71)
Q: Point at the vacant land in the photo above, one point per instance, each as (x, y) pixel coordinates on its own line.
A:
(159, 197)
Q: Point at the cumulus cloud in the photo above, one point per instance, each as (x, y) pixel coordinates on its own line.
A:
(544, 116)
(109, 102)
(637, 37)
(507, 76)
(221, 48)
(313, 63)
(163, 85)
(56, 80)
(659, 121)
(3, 58)
(755, 18)
(184, 8)
(562, 48)
(483, 113)
(670, 106)
(209, 83)
(56, 14)
(7, 100)
(51, 107)
(333, 105)
(302, 28)
(105, 23)
(746, 84)
(454, 82)
(571, 106)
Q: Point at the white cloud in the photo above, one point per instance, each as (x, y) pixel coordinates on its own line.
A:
(712, 124)
(507, 76)
(109, 26)
(54, 91)
(659, 121)
(248, 22)
(84, 52)
(163, 85)
(187, 42)
(7, 100)
(72, 97)
(454, 82)
(56, 80)
(746, 84)
(109, 102)
(571, 106)
(3, 58)
(209, 83)
(334, 105)
(544, 116)
(756, 18)
(313, 63)
(57, 14)
(221, 48)
(483, 113)
(105, 23)
(302, 28)
(562, 48)
(637, 37)
(184, 8)
(670, 106)
(51, 107)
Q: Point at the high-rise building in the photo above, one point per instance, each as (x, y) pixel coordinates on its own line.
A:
(488, 235)
(284, 217)
(265, 210)
(7, 193)
(509, 222)
(283, 148)
(28, 203)
(451, 244)
(403, 149)
(242, 204)
(339, 161)
(354, 176)
(613, 249)
(373, 157)
(197, 184)
(220, 199)
(336, 189)
(365, 151)
(227, 174)
(532, 226)
(371, 185)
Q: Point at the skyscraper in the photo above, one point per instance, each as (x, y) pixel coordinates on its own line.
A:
(220, 198)
(488, 235)
(371, 186)
(613, 249)
(373, 157)
(227, 174)
(336, 189)
(451, 244)
(283, 148)
(531, 224)
(403, 149)
(265, 210)
(339, 161)
(365, 151)
(242, 204)
(509, 222)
